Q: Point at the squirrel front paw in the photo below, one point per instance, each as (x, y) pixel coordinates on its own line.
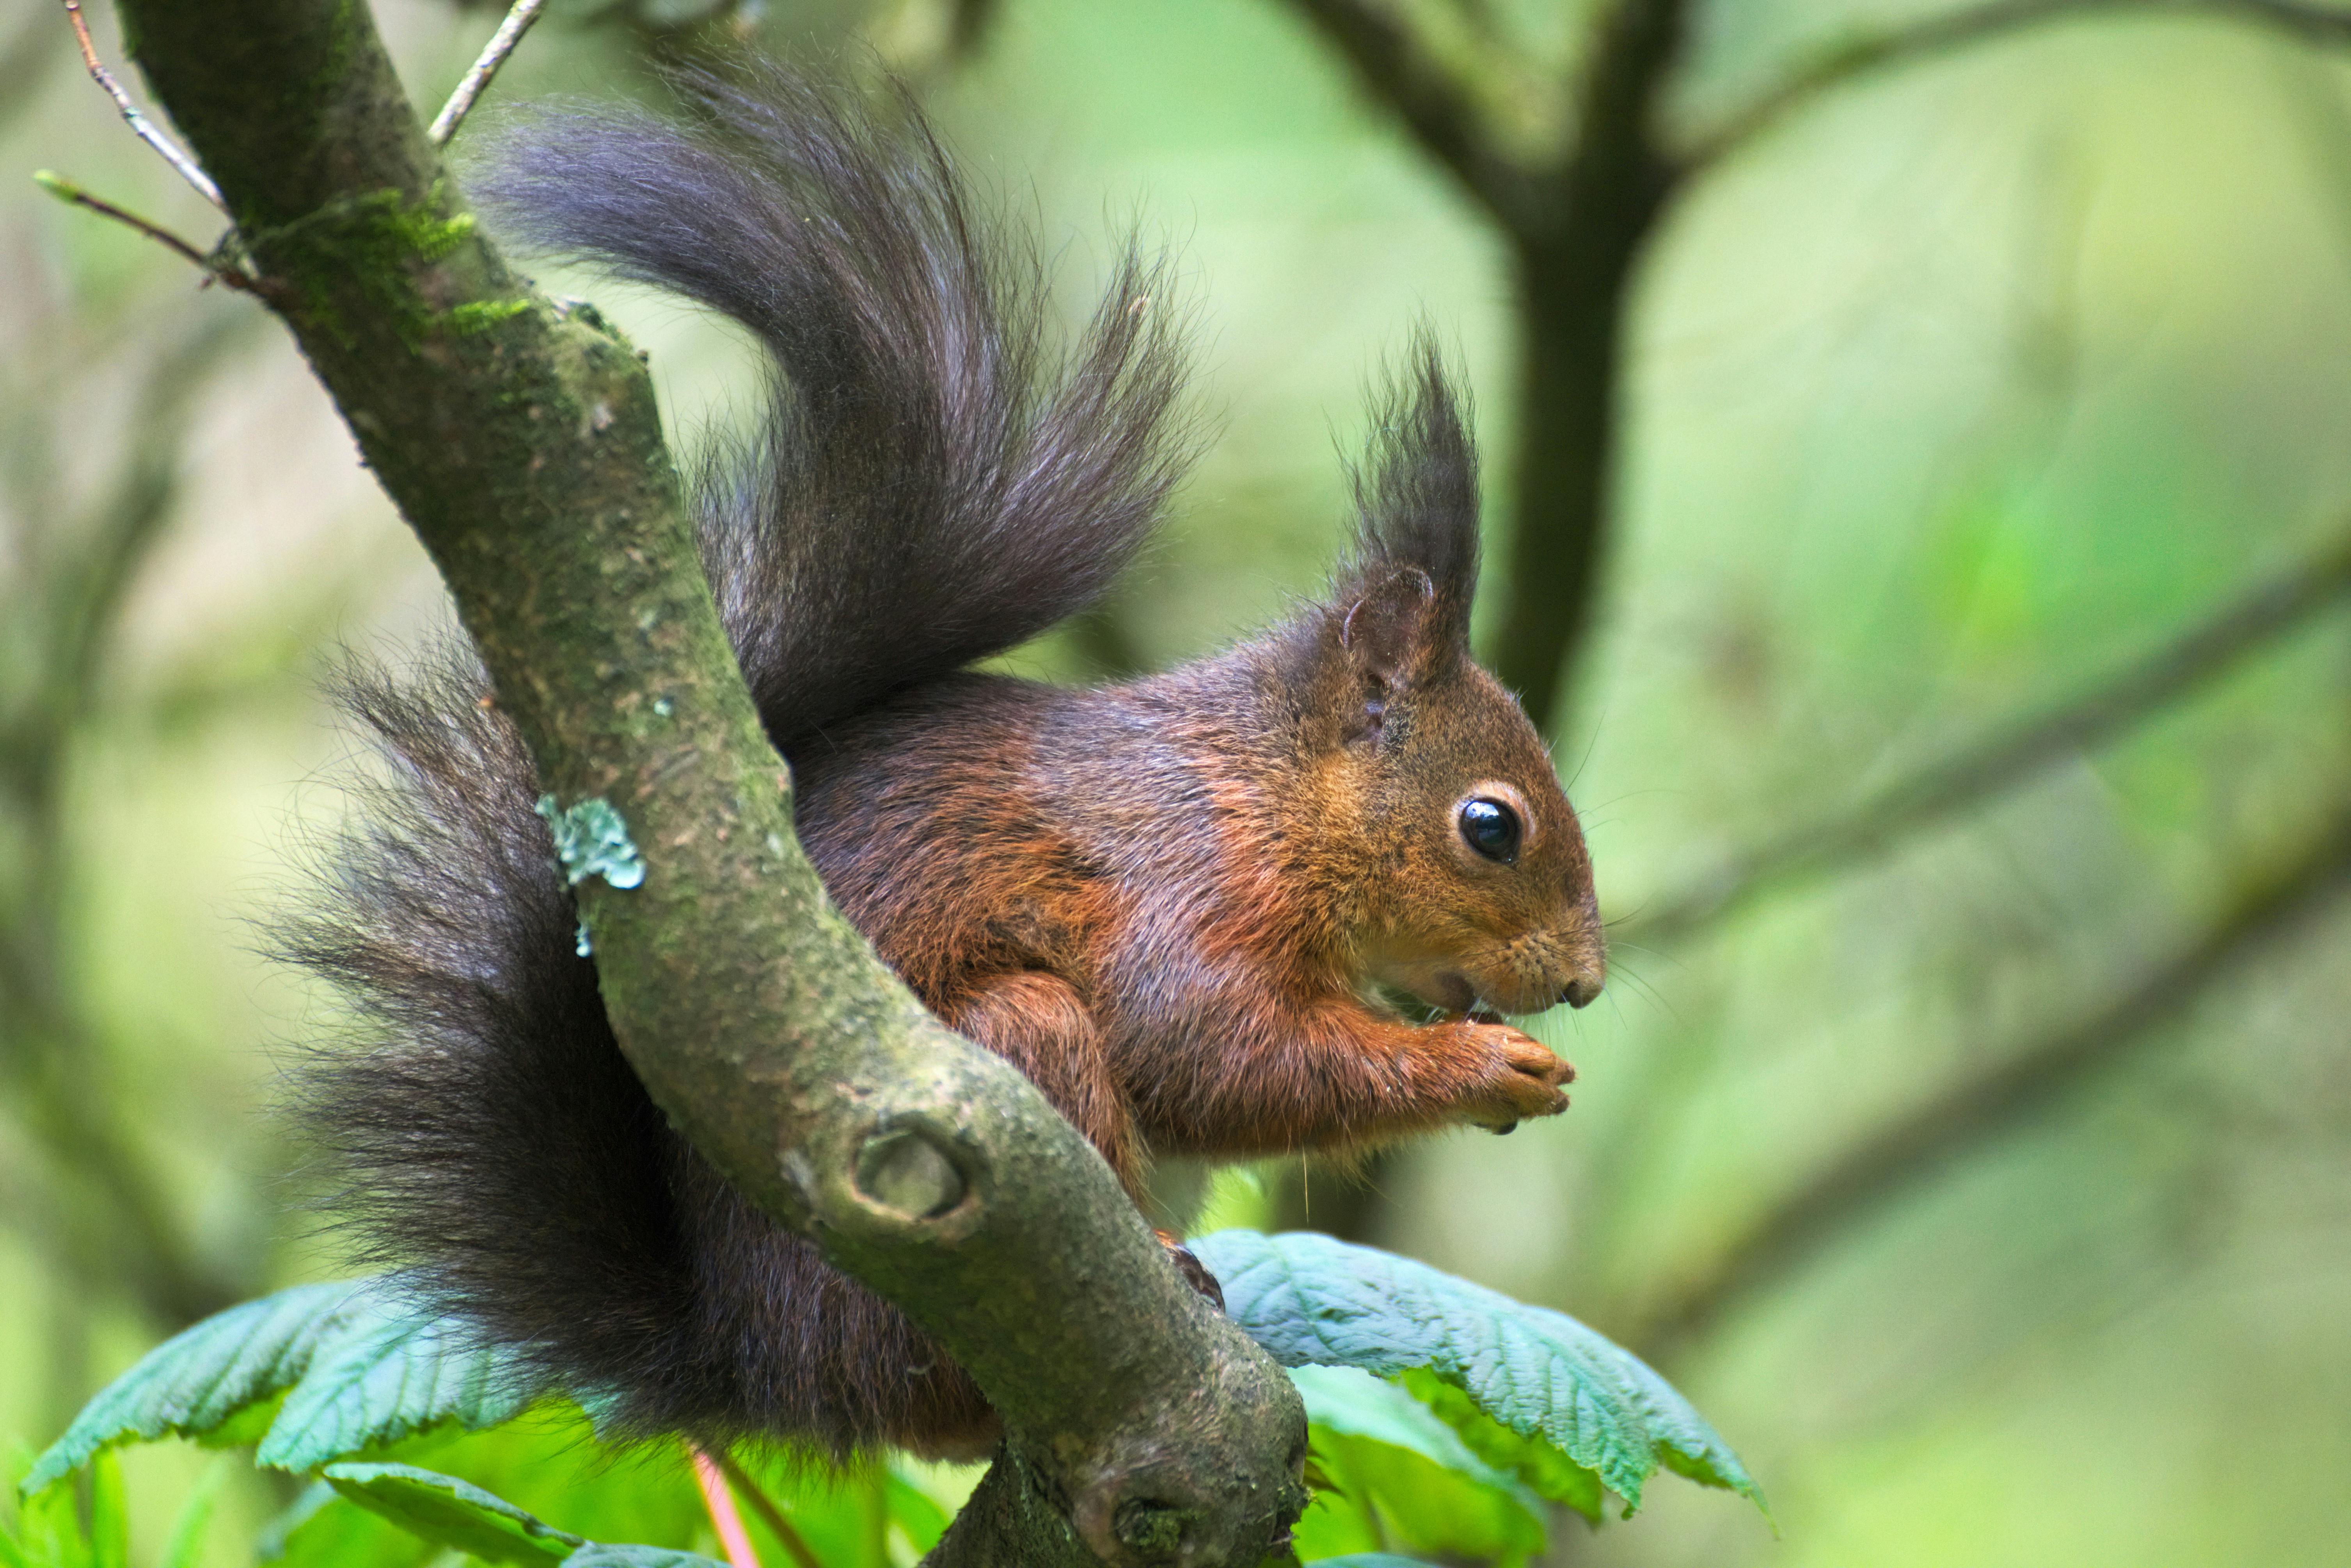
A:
(1519, 1077)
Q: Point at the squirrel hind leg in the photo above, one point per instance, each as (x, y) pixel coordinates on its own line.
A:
(1037, 1023)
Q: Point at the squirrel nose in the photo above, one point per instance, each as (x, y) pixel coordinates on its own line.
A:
(1579, 992)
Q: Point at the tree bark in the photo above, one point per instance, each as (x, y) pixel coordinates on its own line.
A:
(521, 441)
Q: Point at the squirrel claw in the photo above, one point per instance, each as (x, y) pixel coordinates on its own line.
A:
(1187, 1263)
(1522, 1078)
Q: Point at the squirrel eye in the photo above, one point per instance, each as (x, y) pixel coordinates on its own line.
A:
(1491, 829)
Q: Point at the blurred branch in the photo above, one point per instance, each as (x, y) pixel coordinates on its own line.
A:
(1887, 1166)
(779, 1523)
(268, 666)
(1438, 102)
(1965, 26)
(132, 1235)
(129, 521)
(968, 24)
(676, 33)
(1577, 217)
(23, 58)
(1575, 281)
(52, 1056)
(2205, 651)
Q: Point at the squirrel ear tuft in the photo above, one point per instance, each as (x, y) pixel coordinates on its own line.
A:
(1417, 503)
(1391, 633)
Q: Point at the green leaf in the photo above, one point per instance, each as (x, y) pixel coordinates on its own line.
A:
(1343, 1399)
(1410, 1475)
(186, 1547)
(322, 1530)
(594, 1555)
(550, 1462)
(1312, 1301)
(109, 1515)
(453, 1513)
(192, 1383)
(1542, 1469)
(390, 1372)
(1410, 1502)
(1370, 1560)
(915, 1511)
(48, 1529)
(271, 1543)
(841, 1516)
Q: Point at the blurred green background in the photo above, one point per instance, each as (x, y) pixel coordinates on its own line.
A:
(1965, 386)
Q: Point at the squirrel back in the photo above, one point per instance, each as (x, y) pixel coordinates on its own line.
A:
(1164, 901)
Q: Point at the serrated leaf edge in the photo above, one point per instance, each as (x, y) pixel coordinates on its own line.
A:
(1526, 1341)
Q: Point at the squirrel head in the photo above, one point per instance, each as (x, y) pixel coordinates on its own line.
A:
(1473, 889)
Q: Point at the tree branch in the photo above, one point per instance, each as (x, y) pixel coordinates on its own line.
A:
(1957, 28)
(2206, 650)
(521, 441)
(1888, 1164)
(1574, 282)
(1437, 103)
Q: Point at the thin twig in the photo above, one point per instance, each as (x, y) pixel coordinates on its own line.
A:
(2205, 651)
(65, 190)
(1972, 1113)
(720, 1504)
(138, 121)
(1955, 29)
(770, 1515)
(493, 55)
(216, 269)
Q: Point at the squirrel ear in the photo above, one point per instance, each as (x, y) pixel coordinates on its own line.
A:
(1388, 632)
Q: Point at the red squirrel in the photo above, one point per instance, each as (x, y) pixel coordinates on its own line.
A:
(1171, 902)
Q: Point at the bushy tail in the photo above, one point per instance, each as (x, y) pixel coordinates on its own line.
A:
(933, 484)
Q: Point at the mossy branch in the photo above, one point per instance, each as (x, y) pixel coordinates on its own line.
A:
(521, 441)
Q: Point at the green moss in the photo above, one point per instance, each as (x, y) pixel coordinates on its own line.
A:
(420, 232)
(481, 315)
(343, 37)
(382, 243)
